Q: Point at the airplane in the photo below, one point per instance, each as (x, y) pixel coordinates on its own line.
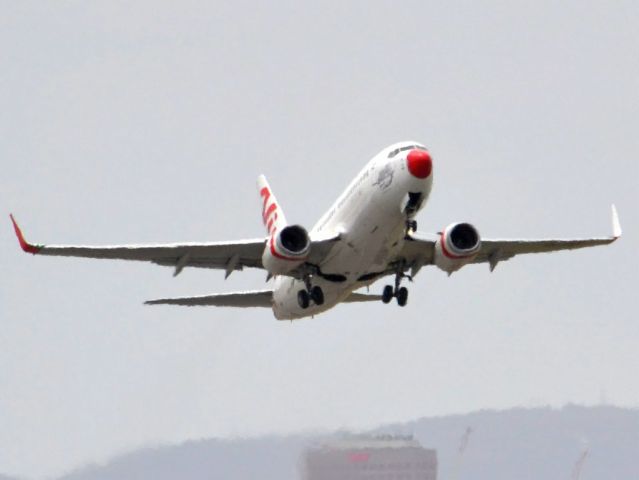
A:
(369, 233)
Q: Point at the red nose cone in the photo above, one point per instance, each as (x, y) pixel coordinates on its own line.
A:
(419, 163)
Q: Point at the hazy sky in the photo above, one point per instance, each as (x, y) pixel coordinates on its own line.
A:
(141, 122)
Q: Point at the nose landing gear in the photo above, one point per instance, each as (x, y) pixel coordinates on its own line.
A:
(415, 200)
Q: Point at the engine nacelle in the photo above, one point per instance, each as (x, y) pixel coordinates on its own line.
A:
(456, 246)
(286, 249)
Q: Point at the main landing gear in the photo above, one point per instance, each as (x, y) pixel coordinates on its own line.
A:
(400, 293)
(411, 227)
(312, 293)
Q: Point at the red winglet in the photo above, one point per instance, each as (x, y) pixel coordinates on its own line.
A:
(26, 246)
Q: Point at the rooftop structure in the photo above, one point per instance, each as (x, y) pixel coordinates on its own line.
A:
(367, 458)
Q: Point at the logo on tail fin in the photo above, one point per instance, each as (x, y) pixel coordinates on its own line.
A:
(272, 215)
(269, 212)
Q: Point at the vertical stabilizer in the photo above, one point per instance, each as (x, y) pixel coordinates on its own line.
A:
(272, 214)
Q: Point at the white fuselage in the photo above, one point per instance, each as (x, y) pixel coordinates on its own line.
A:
(370, 217)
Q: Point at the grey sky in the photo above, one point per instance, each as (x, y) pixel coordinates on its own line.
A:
(150, 123)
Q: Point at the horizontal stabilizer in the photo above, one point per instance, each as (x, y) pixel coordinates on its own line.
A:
(259, 298)
(362, 297)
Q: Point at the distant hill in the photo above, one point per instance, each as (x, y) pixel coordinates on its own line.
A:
(522, 444)
(540, 443)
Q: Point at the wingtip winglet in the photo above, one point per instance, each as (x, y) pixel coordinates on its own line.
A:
(616, 225)
(24, 245)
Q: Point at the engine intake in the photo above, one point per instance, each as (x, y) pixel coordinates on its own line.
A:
(294, 240)
(463, 237)
(286, 249)
(457, 245)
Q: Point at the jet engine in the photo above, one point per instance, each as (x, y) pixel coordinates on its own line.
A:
(286, 249)
(456, 246)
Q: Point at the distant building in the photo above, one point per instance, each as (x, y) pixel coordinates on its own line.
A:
(370, 458)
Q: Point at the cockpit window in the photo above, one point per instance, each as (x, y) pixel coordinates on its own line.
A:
(403, 149)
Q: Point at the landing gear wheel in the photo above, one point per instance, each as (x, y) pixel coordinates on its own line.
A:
(303, 299)
(411, 226)
(387, 294)
(317, 295)
(402, 296)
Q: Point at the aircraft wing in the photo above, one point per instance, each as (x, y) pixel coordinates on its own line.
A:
(418, 252)
(495, 251)
(228, 256)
